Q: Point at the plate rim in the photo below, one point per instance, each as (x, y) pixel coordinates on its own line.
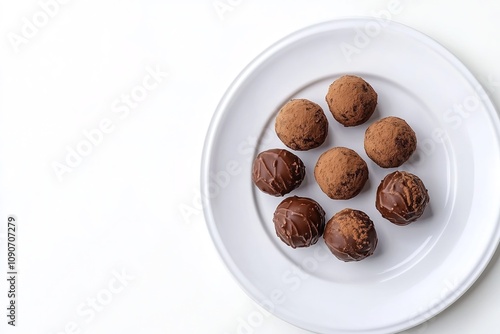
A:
(321, 27)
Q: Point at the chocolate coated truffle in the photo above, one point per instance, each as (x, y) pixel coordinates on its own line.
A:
(299, 221)
(341, 173)
(390, 141)
(301, 125)
(277, 172)
(350, 235)
(351, 100)
(401, 198)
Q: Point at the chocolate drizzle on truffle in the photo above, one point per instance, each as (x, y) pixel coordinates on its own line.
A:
(350, 235)
(277, 172)
(299, 221)
(401, 198)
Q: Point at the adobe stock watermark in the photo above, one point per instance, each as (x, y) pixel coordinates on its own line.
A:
(451, 290)
(31, 25)
(222, 7)
(291, 281)
(453, 117)
(371, 29)
(220, 180)
(121, 108)
(92, 306)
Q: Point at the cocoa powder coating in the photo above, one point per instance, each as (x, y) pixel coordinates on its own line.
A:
(341, 173)
(301, 125)
(351, 100)
(390, 142)
(350, 235)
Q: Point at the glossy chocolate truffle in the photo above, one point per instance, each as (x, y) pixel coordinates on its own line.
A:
(350, 235)
(341, 173)
(390, 141)
(401, 198)
(351, 100)
(277, 172)
(301, 125)
(299, 221)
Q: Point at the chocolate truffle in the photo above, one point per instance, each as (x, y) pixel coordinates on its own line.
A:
(390, 141)
(277, 172)
(341, 173)
(299, 221)
(301, 125)
(351, 100)
(350, 235)
(401, 198)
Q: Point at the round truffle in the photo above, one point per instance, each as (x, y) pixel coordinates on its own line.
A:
(401, 198)
(301, 125)
(277, 172)
(341, 173)
(351, 100)
(299, 221)
(350, 235)
(390, 142)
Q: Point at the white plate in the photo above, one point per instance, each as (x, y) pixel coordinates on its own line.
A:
(417, 270)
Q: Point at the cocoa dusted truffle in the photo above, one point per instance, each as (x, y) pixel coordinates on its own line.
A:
(401, 198)
(301, 125)
(351, 100)
(350, 235)
(299, 221)
(390, 142)
(341, 173)
(277, 172)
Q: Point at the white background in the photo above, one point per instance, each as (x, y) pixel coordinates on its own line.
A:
(131, 207)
